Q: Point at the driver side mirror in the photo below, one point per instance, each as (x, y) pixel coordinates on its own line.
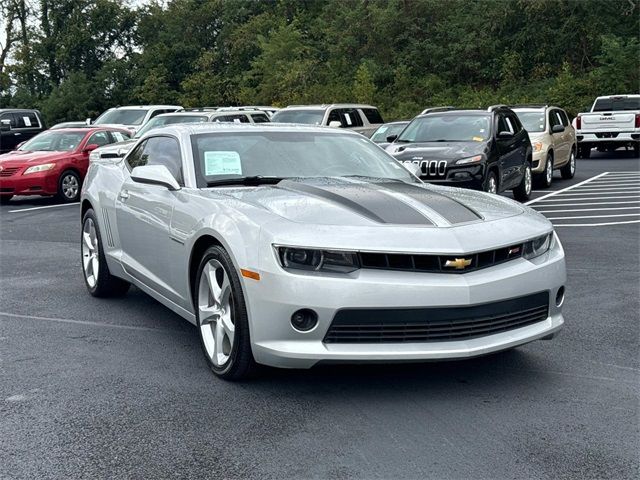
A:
(505, 135)
(155, 175)
(392, 138)
(90, 148)
(5, 125)
(335, 124)
(557, 129)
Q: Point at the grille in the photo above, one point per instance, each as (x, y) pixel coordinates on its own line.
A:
(440, 263)
(7, 172)
(436, 324)
(433, 168)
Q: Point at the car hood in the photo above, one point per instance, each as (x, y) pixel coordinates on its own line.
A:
(371, 202)
(21, 157)
(436, 150)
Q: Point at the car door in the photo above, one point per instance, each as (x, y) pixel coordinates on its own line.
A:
(508, 152)
(567, 137)
(9, 139)
(560, 147)
(143, 215)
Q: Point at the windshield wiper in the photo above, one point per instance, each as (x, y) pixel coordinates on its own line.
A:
(248, 181)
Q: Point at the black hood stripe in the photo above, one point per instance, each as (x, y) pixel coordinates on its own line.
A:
(448, 208)
(361, 198)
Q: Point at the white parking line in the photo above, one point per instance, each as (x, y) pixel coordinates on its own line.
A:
(589, 209)
(556, 192)
(598, 193)
(581, 204)
(42, 208)
(608, 188)
(596, 216)
(575, 199)
(594, 224)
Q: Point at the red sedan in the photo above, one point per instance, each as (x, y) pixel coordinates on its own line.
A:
(53, 162)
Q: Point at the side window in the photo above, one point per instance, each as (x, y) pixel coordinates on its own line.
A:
(137, 157)
(351, 118)
(164, 151)
(503, 126)
(373, 115)
(515, 123)
(10, 117)
(26, 120)
(564, 118)
(334, 116)
(553, 119)
(260, 118)
(119, 136)
(99, 138)
(155, 113)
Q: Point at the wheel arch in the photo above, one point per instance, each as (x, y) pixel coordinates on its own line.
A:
(86, 205)
(197, 251)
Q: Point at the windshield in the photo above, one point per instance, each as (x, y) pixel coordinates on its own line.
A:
(162, 121)
(309, 117)
(220, 156)
(122, 116)
(53, 141)
(447, 128)
(385, 131)
(617, 104)
(532, 121)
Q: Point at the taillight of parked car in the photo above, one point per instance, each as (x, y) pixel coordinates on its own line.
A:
(637, 120)
(579, 122)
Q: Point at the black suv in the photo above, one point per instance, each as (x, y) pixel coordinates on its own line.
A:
(17, 126)
(482, 149)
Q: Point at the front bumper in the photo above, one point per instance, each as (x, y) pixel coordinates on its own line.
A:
(463, 176)
(278, 294)
(41, 183)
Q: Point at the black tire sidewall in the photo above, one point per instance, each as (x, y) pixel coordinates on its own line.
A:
(241, 358)
(61, 196)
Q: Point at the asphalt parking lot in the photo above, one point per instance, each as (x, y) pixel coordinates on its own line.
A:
(119, 389)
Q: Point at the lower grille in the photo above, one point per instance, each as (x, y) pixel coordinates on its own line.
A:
(7, 172)
(607, 135)
(436, 324)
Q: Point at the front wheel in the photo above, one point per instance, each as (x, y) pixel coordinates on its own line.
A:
(523, 190)
(491, 183)
(546, 178)
(69, 187)
(97, 277)
(569, 170)
(222, 317)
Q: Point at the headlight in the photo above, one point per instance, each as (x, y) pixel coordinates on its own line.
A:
(39, 168)
(538, 246)
(318, 260)
(537, 146)
(474, 159)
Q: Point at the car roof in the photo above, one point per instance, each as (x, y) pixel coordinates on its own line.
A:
(217, 127)
(326, 106)
(632, 95)
(89, 129)
(141, 107)
(456, 112)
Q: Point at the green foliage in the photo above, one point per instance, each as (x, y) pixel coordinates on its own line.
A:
(80, 57)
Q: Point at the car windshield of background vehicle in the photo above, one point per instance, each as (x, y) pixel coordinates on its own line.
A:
(385, 131)
(163, 121)
(532, 121)
(447, 128)
(122, 117)
(53, 141)
(309, 117)
(616, 104)
(221, 156)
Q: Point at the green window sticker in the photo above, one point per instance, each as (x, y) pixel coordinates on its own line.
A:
(222, 163)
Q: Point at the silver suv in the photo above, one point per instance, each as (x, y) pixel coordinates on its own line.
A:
(364, 119)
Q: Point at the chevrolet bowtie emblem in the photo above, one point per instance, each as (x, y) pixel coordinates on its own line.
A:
(458, 263)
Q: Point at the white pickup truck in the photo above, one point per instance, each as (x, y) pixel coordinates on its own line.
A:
(613, 122)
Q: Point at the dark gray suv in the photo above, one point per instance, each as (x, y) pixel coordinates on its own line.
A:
(17, 126)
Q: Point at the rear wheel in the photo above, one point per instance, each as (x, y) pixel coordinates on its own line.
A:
(523, 190)
(69, 187)
(97, 277)
(584, 152)
(569, 170)
(222, 317)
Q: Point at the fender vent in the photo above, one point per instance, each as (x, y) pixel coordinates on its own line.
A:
(107, 227)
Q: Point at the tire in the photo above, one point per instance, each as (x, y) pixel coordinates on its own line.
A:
(92, 255)
(523, 190)
(584, 152)
(221, 314)
(491, 183)
(545, 179)
(4, 199)
(69, 185)
(569, 169)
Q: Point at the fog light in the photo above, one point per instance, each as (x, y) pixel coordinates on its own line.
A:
(560, 297)
(304, 320)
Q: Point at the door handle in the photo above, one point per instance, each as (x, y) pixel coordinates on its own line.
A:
(17, 134)
(123, 195)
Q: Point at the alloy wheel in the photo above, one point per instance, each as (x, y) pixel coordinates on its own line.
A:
(493, 185)
(70, 186)
(572, 163)
(215, 312)
(527, 180)
(90, 259)
(549, 170)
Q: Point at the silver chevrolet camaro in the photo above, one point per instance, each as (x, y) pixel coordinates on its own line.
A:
(292, 245)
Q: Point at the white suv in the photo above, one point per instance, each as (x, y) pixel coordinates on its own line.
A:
(364, 119)
(132, 117)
